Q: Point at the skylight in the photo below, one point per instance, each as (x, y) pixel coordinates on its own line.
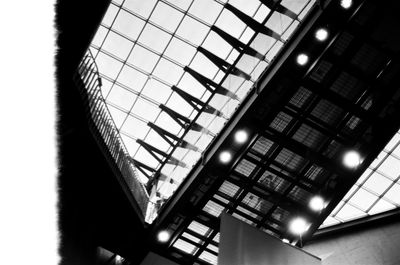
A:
(175, 72)
(376, 191)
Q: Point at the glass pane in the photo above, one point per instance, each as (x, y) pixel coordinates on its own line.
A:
(180, 51)
(166, 16)
(381, 206)
(184, 4)
(140, 7)
(145, 109)
(393, 194)
(246, 6)
(390, 167)
(206, 10)
(156, 91)
(192, 30)
(143, 58)
(121, 97)
(128, 24)
(154, 38)
(132, 78)
(349, 212)
(135, 127)
(168, 71)
(107, 65)
(363, 199)
(377, 183)
(117, 45)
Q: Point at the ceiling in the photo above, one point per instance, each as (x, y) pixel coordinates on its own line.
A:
(178, 102)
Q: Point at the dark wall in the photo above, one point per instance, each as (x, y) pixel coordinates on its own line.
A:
(93, 210)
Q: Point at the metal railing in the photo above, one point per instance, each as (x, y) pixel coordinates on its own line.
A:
(104, 129)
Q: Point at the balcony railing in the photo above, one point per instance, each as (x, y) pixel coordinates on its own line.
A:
(105, 131)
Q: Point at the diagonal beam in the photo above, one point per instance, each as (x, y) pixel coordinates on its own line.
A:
(253, 24)
(209, 84)
(183, 121)
(170, 137)
(222, 64)
(237, 44)
(275, 5)
(156, 153)
(196, 103)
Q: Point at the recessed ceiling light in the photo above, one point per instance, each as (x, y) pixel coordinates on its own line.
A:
(346, 4)
(241, 136)
(317, 203)
(352, 159)
(321, 34)
(298, 226)
(163, 236)
(302, 59)
(225, 157)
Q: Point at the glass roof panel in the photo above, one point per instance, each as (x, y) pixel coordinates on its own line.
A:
(117, 45)
(166, 16)
(143, 58)
(140, 7)
(156, 91)
(132, 78)
(192, 30)
(143, 49)
(154, 37)
(180, 51)
(183, 4)
(128, 24)
(121, 97)
(140, 127)
(363, 199)
(168, 71)
(107, 65)
(145, 109)
(206, 10)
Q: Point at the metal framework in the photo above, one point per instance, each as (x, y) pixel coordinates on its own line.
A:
(313, 116)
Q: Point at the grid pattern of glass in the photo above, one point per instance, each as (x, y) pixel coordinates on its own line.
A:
(161, 63)
(376, 191)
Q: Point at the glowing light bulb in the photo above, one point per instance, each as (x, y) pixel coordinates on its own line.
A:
(321, 34)
(317, 203)
(302, 59)
(298, 226)
(352, 159)
(163, 236)
(241, 136)
(225, 157)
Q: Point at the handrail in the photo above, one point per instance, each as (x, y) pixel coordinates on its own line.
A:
(104, 129)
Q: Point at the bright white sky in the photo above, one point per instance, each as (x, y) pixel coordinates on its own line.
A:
(141, 49)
